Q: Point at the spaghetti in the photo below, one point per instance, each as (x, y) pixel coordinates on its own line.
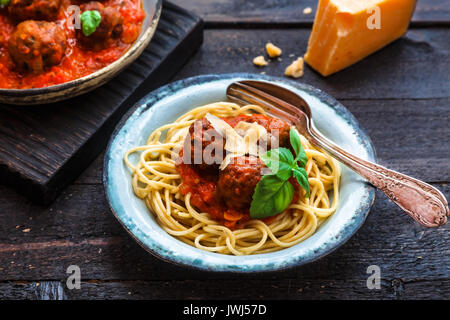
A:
(157, 180)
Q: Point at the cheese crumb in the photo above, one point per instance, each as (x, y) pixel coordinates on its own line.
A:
(260, 61)
(272, 50)
(295, 69)
(307, 10)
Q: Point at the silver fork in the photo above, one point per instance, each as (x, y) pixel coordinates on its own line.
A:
(423, 202)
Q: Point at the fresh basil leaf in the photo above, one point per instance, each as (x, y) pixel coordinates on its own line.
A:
(280, 161)
(284, 197)
(284, 174)
(272, 195)
(298, 148)
(90, 20)
(295, 141)
(302, 177)
(4, 3)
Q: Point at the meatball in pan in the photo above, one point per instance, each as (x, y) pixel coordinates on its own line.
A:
(110, 27)
(37, 45)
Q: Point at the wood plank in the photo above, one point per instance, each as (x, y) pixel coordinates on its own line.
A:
(44, 148)
(408, 134)
(290, 12)
(285, 289)
(414, 67)
(78, 229)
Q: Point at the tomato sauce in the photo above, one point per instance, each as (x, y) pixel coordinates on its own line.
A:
(78, 61)
(204, 192)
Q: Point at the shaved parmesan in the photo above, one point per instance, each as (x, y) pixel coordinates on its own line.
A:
(251, 132)
(240, 140)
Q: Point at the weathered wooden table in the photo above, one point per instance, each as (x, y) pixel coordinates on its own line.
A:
(400, 94)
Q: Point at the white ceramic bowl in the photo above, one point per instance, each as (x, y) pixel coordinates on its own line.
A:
(168, 103)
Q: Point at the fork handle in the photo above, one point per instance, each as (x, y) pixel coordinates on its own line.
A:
(423, 202)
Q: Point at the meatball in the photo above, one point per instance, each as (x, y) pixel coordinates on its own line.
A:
(110, 26)
(202, 133)
(277, 129)
(36, 45)
(237, 182)
(22, 10)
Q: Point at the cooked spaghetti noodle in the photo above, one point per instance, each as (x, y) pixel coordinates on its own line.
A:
(156, 180)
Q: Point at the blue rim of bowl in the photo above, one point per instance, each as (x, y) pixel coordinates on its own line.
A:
(186, 261)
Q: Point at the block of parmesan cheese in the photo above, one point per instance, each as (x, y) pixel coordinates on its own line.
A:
(346, 31)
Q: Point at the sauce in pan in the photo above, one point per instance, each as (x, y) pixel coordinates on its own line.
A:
(49, 50)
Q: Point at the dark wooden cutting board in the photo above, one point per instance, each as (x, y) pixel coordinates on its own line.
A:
(45, 147)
